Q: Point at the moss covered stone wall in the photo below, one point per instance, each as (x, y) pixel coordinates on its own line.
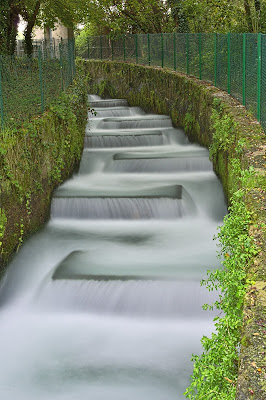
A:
(34, 160)
(237, 147)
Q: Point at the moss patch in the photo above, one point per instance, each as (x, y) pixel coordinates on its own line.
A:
(34, 160)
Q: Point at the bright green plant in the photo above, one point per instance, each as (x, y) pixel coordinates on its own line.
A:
(215, 371)
(224, 131)
(3, 221)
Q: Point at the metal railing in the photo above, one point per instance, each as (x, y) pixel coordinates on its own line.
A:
(234, 62)
(29, 84)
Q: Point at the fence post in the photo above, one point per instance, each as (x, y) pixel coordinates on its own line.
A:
(101, 50)
(112, 47)
(41, 80)
(1, 95)
(70, 60)
(215, 59)
(174, 51)
(73, 58)
(124, 47)
(229, 63)
(162, 49)
(187, 45)
(149, 50)
(200, 64)
(259, 79)
(136, 43)
(61, 65)
(244, 70)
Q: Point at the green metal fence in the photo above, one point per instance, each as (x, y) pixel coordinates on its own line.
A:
(234, 62)
(28, 85)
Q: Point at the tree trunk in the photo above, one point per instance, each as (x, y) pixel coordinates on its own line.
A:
(8, 26)
(248, 15)
(257, 18)
(28, 31)
(257, 5)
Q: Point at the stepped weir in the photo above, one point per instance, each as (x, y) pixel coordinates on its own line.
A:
(105, 301)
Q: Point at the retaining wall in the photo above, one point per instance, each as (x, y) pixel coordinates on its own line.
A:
(34, 159)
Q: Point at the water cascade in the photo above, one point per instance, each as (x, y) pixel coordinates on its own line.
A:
(105, 301)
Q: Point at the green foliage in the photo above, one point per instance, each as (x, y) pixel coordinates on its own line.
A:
(119, 17)
(106, 89)
(225, 129)
(116, 17)
(188, 121)
(8, 26)
(21, 86)
(3, 221)
(36, 13)
(223, 16)
(34, 159)
(81, 42)
(215, 371)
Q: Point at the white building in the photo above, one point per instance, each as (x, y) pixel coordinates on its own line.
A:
(59, 32)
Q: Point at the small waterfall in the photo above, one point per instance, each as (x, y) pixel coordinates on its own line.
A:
(108, 103)
(161, 165)
(113, 112)
(123, 141)
(133, 297)
(118, 208)
(154, 121)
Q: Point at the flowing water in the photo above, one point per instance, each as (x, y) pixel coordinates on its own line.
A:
(105, 301)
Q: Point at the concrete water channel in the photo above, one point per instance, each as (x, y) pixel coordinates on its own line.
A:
(105, 301)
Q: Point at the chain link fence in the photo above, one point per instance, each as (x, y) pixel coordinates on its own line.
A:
(29, 84)
(235, 62)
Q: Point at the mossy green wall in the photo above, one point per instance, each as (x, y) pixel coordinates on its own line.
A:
(236, 142)
(33, 161)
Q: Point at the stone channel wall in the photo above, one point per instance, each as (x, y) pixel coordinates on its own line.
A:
(34, 159)
(215, 120)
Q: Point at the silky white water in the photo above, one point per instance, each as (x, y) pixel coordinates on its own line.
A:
(105, 301)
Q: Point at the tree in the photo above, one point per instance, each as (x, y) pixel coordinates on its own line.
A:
(130, 16)
(225, 16)
(9, 21)
(48, 13)
(36, 12)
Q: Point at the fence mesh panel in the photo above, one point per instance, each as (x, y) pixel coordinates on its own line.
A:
(229, 61)
(263, 81)
(94, 47)
(181, 53)
(168, 50)
(251, 72)
(222, 61)
(29, 84)
(142, 46)
(156, 50)
(130, 48)
(193, 54)
(207, 56)
(236, 62)
(106, 48)
(118, 49)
